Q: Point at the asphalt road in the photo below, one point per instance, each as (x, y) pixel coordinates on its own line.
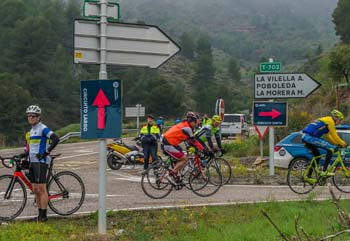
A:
(124, 189)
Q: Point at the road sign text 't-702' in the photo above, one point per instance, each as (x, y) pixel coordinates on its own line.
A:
(277, 86)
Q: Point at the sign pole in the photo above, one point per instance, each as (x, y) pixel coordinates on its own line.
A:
(138, 117)
(102, 142)
(271, 144)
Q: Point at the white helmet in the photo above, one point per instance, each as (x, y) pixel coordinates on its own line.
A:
(33, 109)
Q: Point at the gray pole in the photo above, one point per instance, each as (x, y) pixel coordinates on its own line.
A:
(271, 144)
(138, 117)
(102, 143)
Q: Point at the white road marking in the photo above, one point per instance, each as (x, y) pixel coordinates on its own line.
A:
(85, 154)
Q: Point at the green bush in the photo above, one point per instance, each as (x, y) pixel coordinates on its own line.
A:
(245, 147)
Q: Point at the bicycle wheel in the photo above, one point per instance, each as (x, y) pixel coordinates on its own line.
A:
(296, 176)
(12, 205)
(155, 183)
(225, 169)
(66, 193)
(341, 181)
(207, 181)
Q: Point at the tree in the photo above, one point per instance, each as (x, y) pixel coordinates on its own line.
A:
(339, 66)
(14, 101)
(341, 19)
(187, 45)
(234, 69)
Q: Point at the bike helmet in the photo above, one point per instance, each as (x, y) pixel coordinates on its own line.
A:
(191, 117)
(216, 118)
(33, 109)
(337, 114)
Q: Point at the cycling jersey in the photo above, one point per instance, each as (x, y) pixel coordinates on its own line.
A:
(206, 132)
(179, 133)
(324, 126)
(38, 142)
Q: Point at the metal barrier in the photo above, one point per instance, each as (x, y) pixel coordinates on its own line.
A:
(77, 134)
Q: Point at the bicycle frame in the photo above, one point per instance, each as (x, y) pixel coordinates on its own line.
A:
(331, 168)
(19, 174)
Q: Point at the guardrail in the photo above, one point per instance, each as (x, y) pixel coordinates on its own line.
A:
(77, 134)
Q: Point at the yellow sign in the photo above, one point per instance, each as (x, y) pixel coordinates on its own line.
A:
(78, 55)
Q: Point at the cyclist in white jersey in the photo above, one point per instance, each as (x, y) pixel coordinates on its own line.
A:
(38, 152)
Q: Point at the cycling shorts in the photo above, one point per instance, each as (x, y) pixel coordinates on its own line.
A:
(318, 142)
(38, 172)
(173, 151)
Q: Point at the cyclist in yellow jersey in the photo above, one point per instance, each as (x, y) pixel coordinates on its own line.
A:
(322, 134)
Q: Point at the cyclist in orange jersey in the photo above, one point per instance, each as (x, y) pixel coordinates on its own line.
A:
(177, 134)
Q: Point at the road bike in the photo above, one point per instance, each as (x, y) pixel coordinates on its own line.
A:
(223, 165)
(66, 190)
(157, 181)
(304, 175)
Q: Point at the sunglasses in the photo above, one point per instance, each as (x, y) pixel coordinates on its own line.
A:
(32, 116)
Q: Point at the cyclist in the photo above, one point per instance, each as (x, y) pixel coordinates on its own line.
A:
(38, 152)
(177, 134)
(160, 123)
(205, 120)
(313, 139)
(211, 129)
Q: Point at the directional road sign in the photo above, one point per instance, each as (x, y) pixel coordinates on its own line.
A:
(134, 111)
(127, 44)
(268, 67)
(278, 86)
(101, 110)
(270, 113)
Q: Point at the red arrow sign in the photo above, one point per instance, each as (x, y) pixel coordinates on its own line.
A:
(274, 114)
(101, 101)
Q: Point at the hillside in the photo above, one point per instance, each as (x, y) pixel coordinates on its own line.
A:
(249, 29)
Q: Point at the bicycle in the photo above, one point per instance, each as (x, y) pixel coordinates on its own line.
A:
(205, 181)
(304, 175)
(223, 165)
(66, 190)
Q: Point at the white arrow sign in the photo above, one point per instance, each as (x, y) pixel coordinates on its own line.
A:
(277, 86)
(127, 44)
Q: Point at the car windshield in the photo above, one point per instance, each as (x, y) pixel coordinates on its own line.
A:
(232, 118)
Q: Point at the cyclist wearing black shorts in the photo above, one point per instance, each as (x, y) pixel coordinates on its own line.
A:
(38, 152)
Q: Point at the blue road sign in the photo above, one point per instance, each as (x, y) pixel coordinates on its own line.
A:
(270, 113)
(101, 109)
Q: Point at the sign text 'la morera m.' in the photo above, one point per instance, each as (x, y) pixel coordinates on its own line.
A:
(269, 86)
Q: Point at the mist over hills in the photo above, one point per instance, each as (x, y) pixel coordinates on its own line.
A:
(248, 29)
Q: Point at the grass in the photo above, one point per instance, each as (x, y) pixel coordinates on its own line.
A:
(233, 222)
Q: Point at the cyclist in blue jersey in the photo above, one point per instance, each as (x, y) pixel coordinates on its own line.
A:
(38, 152)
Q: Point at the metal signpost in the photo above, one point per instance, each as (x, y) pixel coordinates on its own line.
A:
(101, 42)
(274, 85)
